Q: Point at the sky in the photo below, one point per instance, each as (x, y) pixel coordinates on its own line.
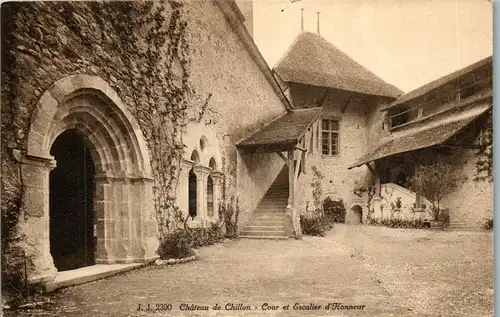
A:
(407, 43)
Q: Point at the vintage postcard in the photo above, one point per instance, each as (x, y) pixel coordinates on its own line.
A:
(247, 158)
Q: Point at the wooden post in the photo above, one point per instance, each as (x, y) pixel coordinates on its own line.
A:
(377, 179)
(377, 185)
(291, 177)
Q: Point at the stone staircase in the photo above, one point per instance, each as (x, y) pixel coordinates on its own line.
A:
(460, 225)
(268, 220)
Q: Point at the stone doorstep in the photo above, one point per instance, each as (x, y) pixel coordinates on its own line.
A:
(88, 274)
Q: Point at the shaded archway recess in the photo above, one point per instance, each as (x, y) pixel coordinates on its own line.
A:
(357, 211)
(71, 200)
(124, 206)
(193, 194)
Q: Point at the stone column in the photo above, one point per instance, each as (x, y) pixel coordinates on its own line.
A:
(35, 222)
(106, 220)
(202, 173)
(183, 186)
(217, 182)
(145, 225)
(121, 204)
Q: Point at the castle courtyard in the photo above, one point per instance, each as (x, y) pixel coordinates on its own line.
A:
(374, 271)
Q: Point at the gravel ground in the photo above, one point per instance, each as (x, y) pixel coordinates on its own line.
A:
(393, 272)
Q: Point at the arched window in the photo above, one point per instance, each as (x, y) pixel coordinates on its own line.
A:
(212, 164)
(195, 157)
(210, 197)
(192, 194)
(203, 142)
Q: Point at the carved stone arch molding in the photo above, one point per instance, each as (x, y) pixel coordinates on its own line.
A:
(123, 201)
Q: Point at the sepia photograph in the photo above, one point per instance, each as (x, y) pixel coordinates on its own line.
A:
(247, 158)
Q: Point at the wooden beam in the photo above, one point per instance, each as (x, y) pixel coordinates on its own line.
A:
(377, 179)
(297, 167)
(371, 169)
(282, 157)
(347, 102)
(463, 146)
(320, 103)
(291, 178)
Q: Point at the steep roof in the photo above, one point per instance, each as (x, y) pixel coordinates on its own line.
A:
(441, 81)
(312, 60)
(283, 133)
(431, 135)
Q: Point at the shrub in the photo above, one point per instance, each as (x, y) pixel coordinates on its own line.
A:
(227, 211)
(176, 244)
(315, 224)
(489, 224)
(207, 235)
(398, 223)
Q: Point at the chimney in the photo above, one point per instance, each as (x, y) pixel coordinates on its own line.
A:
(318, 21)
(302, 19)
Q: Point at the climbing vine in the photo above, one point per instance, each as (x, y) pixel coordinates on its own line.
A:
(484, 163)
(317, 191)
(158, 37)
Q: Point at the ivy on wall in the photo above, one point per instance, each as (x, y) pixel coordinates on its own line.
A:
(484, 163)
(140, 48)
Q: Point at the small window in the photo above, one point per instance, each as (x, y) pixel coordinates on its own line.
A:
(203, 143)
(403, 115)
(330, 137)
(212, 164)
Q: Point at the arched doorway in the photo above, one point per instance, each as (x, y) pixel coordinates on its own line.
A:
(123, 203)
(71, 188)
(357, 214)
(334, 209)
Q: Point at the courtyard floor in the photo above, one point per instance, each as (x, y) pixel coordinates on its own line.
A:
(392, 272)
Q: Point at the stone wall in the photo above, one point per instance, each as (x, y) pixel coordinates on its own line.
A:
(358, 117)
(472, 201)
(171, 64)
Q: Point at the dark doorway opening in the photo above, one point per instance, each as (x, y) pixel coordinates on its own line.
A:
(357, 214)
(192, 194)
(334, 209)
(72, 242)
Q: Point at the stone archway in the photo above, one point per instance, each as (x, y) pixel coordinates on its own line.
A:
(126, 225)
(356, 215)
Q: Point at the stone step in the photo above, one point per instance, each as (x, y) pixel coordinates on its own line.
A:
(253, 227)
(269, 211)
(268, 215)
(267, 222)
(263, 233)
(264, 237)
(266, 218)
(275, 196)
(272, 202)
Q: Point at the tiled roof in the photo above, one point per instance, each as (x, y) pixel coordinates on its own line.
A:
(427, 137)
(441, 81)
(283, 133)
(312, 60)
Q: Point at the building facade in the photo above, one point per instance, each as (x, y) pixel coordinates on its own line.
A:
(116, 133)
(132, 121)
